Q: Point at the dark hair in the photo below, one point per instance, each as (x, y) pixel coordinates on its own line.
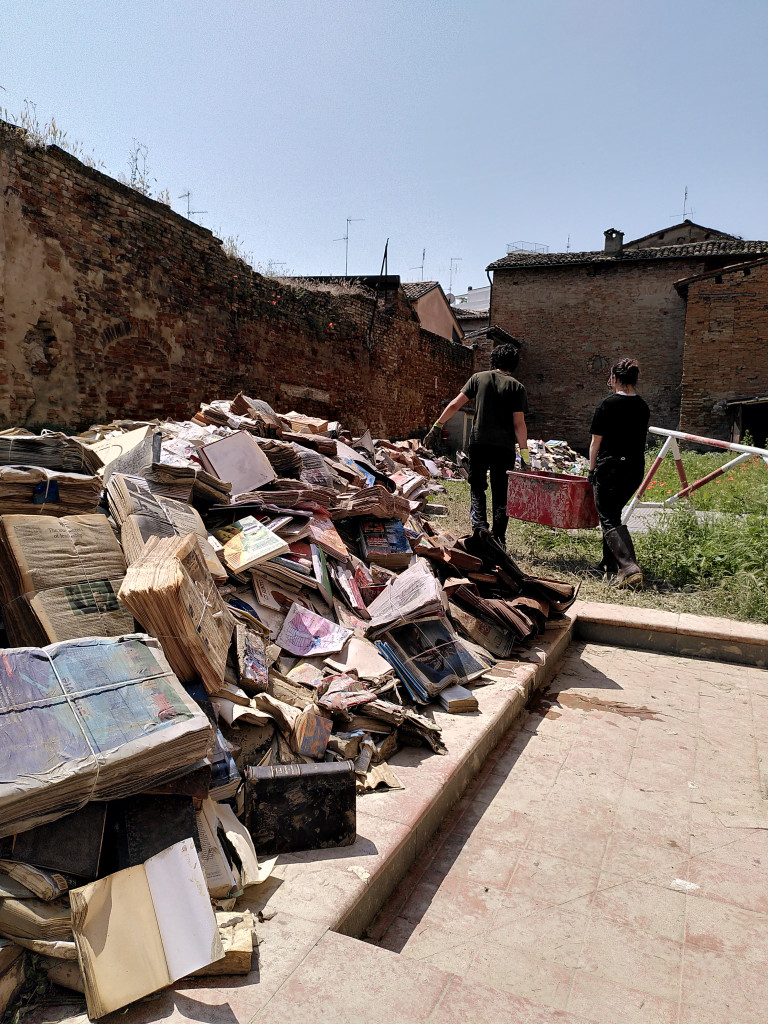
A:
(626, 371)
(505, 357)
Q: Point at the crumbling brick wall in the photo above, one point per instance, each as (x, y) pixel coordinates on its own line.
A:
(112, 305)
(576, 320)
(726, 347)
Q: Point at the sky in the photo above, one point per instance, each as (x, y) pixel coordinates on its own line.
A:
(451, 128)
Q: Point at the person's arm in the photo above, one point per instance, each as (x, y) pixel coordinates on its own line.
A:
(521, 436)
(521, 430)
(594, 448)
(435, 435)
(451, 409)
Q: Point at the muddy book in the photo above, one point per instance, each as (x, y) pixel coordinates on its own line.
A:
(90, 719)
(59, 579)
(143, 928)
(170, 591)
(238, 459)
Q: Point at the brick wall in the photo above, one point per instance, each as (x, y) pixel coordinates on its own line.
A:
(112, 305)
(726, 347)
(577, 320)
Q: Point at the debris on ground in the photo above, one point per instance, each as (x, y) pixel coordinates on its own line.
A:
(556, 457)
(206, 623)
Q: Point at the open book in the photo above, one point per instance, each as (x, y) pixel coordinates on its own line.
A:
(143, 928)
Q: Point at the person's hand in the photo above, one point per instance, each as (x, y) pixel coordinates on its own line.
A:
(591, 476)
(434, 437)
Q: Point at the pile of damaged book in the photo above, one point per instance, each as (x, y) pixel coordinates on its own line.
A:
(218, 635)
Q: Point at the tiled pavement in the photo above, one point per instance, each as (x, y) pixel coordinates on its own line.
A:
(611, 860)
(610, 863)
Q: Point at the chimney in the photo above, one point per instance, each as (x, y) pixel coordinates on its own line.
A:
(613, 241)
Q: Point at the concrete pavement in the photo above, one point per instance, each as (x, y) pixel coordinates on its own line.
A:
(609, 862)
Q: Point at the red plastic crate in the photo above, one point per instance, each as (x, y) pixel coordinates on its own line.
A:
(552, 499)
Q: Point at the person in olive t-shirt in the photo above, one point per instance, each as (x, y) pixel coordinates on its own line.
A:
(616, 467)
(500, 408)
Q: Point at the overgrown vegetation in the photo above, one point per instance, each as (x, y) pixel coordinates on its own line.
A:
(47, 133)
(712, 564)
(338, 286)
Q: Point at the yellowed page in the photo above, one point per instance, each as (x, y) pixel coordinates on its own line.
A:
(219, 877)
(118, 942)
(185, 917)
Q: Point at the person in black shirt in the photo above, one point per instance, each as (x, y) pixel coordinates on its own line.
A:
(500, 407)
(616, 467)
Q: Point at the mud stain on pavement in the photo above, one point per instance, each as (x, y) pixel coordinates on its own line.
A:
(545, 704)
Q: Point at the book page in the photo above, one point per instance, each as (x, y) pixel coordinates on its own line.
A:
(185, 917)
(118, 941)
(219, 877)
(252, 872)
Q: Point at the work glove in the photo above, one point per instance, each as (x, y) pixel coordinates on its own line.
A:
(591, 475)
(434, 437)
(525, 460)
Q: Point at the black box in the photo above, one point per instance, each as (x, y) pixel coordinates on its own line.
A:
(300, 806)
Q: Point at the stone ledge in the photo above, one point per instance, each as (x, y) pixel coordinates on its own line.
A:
(691, 636)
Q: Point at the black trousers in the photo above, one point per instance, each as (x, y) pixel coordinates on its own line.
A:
(616, 480)
(485, 458)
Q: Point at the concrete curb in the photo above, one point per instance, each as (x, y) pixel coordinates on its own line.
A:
(691, 636)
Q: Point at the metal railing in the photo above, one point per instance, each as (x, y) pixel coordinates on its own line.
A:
(672, 436)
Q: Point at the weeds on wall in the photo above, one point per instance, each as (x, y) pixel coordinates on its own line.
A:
(47, 133)
(338, 287)
(39, 134)
(139, 177)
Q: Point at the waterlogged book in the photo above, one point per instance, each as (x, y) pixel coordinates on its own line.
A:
(143, 928)
(306, 634)
(384, 542)
(323, 533)
(90, 719)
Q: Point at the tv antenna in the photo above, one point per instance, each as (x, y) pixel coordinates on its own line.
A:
(687, 210)
(454, 259)
(345, 239)
(421, 265)
(568, 244)
(190, 213)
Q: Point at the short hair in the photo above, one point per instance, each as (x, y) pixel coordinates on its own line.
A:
(626, 371)
(505, 357)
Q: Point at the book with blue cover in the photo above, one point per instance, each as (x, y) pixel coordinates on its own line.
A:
(90, 719)
(385, 542)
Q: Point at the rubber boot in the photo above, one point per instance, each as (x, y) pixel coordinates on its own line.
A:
(607, 566)
(500, 521)
(623, 550)
(478, 515)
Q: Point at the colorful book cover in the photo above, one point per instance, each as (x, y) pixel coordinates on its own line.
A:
(247, 543)
(323, 533)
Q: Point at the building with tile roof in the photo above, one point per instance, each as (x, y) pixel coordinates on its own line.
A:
(578, 312)
(433, 309)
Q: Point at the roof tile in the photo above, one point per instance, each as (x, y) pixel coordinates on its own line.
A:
(714, 247)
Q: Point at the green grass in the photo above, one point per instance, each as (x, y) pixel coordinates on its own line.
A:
(715, 566)
(744, 488)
